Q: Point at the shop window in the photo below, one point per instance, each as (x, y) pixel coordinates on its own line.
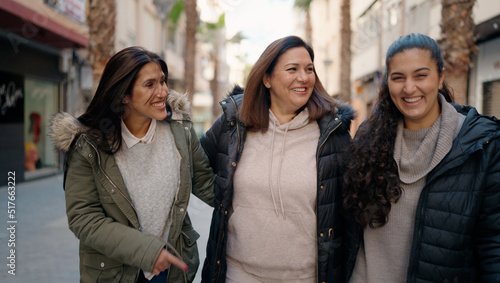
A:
(491, 98)
(40, 104)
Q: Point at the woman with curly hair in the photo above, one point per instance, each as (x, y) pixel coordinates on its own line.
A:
(422, 183)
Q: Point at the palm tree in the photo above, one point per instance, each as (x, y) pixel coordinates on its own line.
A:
(345, 51)
(211, 34)
(458, 44)
(305, 5)
(190, 52)
(101, 21)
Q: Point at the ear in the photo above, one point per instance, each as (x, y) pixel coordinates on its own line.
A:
(266, 82)
(126, 99)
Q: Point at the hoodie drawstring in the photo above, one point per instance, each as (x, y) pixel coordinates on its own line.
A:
(270, 170)
(279, 171)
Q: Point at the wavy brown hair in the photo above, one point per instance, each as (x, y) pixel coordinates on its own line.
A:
(371, 177)
(254, 112)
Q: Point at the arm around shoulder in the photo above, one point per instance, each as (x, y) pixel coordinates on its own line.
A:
(203, 178)
(211, 138)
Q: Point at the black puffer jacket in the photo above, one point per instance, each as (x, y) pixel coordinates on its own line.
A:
(224, 144)
(457, 225)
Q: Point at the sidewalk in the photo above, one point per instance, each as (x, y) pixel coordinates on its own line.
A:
(45, 249)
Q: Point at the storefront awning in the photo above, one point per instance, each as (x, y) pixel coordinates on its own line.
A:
(33, 25)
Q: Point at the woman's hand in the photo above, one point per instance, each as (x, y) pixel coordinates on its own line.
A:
(165, 259)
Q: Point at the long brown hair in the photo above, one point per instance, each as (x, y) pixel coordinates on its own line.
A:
(254, 112)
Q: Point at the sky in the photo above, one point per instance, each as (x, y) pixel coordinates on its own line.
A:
(260, 21)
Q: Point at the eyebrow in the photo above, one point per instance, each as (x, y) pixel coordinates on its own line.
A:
(422, 69)
(296, 64)
(162, 78)
(416, 71)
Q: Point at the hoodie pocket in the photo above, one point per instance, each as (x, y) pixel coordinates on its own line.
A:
(260, 238)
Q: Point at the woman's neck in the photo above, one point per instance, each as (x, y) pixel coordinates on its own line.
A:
(283, 118)
(138, 128)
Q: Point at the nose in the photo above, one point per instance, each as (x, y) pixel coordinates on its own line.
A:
(163, 91)
(303, 77)
(409, 87)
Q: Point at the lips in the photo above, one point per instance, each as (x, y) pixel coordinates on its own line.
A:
(158, 104)
(412, 99)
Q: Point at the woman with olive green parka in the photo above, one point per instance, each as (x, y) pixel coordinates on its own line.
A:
(132, 161)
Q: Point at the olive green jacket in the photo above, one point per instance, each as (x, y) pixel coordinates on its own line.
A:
(101, 213)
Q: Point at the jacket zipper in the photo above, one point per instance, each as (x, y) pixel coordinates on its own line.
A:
(321, 145)
(109, 179)
(237, 152)
(237, 123)
(317, 163)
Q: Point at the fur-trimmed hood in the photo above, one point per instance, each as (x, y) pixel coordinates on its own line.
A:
(64, 127)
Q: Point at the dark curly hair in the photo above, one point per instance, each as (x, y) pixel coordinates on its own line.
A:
(371, 177)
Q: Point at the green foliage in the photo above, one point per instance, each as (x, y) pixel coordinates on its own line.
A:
(176, 11)
(218, 25)
(303, 4)
(207, 27)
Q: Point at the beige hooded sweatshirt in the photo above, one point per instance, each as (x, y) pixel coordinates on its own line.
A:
(272, 229)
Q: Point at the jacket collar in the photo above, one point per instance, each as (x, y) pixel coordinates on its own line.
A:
(477, 130)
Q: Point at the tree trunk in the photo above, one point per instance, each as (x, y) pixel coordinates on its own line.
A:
(190, 53)
(308, 25)
(345, 51)
(101, 21)
(305, 6)
(457, 44)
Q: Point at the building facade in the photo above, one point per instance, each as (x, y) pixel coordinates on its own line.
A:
(39, 65)
(484, 77)
(376, 24)
(45, 68)
(150, 24)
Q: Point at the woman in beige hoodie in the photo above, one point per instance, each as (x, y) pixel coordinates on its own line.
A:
(277, 153)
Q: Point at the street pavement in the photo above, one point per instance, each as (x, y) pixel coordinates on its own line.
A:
(45, 249)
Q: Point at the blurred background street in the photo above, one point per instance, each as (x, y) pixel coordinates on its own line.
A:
(46, 250)
(53, 52)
